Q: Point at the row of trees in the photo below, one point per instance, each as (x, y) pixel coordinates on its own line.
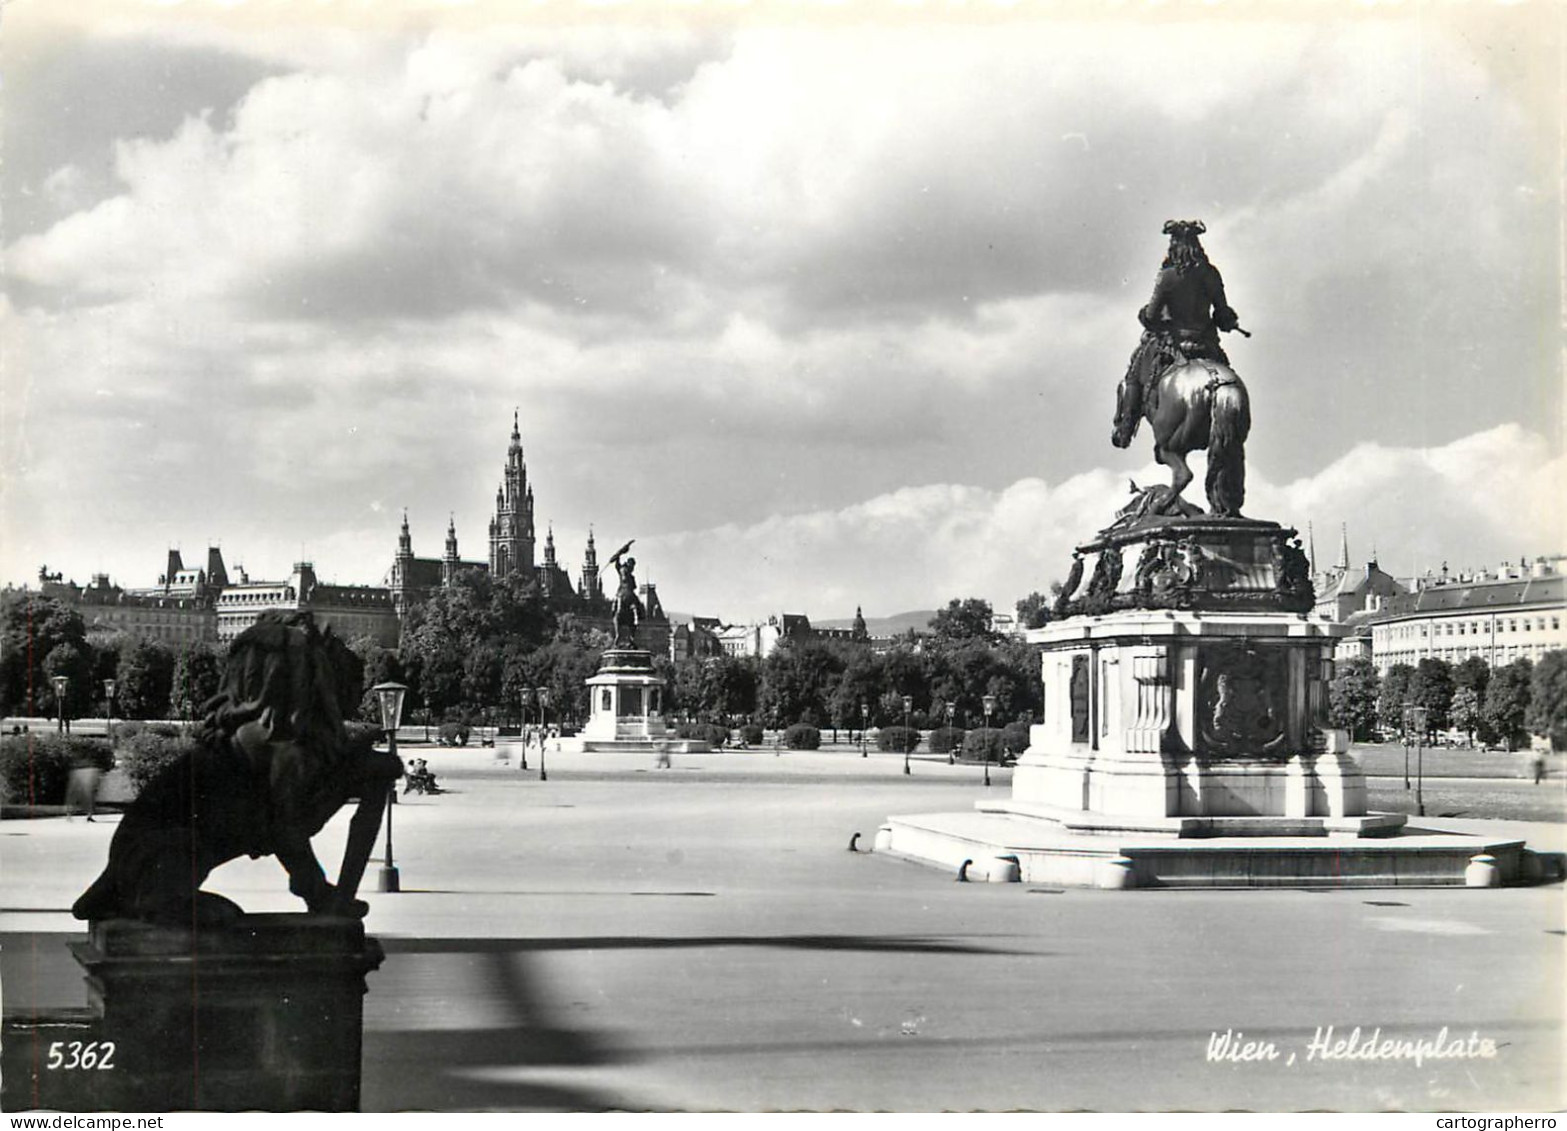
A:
(41, 638)
(472, 650)
(1496, 707)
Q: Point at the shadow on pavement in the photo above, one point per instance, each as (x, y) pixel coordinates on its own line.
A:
(484, 1068)
(878, 943)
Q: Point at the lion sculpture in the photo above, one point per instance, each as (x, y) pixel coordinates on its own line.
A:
(272, 765)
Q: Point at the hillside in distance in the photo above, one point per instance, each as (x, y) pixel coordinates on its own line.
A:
(918, 620)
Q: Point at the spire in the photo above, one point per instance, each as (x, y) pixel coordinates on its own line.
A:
(516, 432)
(549, 547)
(1311, 549)
(1343, 550)
(405, 542)
(451, 538)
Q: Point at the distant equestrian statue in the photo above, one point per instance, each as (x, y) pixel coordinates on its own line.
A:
(629, 611)
(1180, 381)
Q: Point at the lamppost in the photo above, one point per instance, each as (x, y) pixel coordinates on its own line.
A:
(908, 747)
(1409, 723)
(865, 721)
(990, 707)
(108, 710)
(390, 697)
(60, 683)
(1416, 720)
(951, 721)
(527, 696)
(544, 701)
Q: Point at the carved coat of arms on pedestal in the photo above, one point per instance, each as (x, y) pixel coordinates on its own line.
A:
(1241, 706)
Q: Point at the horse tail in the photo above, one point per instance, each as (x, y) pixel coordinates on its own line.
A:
(1230, 423)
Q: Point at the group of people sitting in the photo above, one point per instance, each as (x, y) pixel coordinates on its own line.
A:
(419, 779)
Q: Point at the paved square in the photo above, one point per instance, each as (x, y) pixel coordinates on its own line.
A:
(700, 938)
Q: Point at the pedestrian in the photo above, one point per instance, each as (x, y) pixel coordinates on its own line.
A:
(81, 790)
(1539, 768)
(663, 762)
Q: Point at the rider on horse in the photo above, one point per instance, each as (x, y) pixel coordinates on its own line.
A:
(1181, 321)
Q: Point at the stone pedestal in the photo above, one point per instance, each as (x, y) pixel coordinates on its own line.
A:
(625, 703)
(1185, 740)
(1188, 696)
(1217, 718)
(266, 1015)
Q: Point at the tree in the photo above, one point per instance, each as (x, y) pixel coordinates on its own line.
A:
(1547, 715)
(1507, 702)
(1467, 712)
(1393, 696)
(1352, 699)
(798, 679)
(1431, 687)
(1033, 611)
(74, 662)
(32, 628)
(961, 620)
(146, 678)
(198, 674)
(1473, 673)
(380, 665)
(457, 644)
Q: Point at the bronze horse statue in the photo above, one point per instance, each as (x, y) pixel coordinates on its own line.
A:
(1194, 405)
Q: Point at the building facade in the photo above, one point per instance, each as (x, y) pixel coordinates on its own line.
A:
(1515, 613)
(349, 610)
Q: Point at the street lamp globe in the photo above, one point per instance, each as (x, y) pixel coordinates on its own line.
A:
(390, 697)
(60, 683)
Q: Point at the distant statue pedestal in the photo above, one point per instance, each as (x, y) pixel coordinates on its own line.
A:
(1185, 740)
(625, 702)
(265, 1015)
(626, 708)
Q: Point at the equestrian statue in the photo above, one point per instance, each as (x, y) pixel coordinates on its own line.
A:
(1180, 381)
(628, 608)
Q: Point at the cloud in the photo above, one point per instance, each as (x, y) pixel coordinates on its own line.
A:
(753, 268)
(921, 547)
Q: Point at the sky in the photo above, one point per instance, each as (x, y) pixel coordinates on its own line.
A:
(823, 304)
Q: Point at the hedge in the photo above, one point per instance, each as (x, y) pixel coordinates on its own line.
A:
(985, 744)
(454, 734)
(711, 733)
(751, 734)
(803, 736)
(35, 768)
(146, 753)
(944, 740)
(1016, 736)
(901, 740)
